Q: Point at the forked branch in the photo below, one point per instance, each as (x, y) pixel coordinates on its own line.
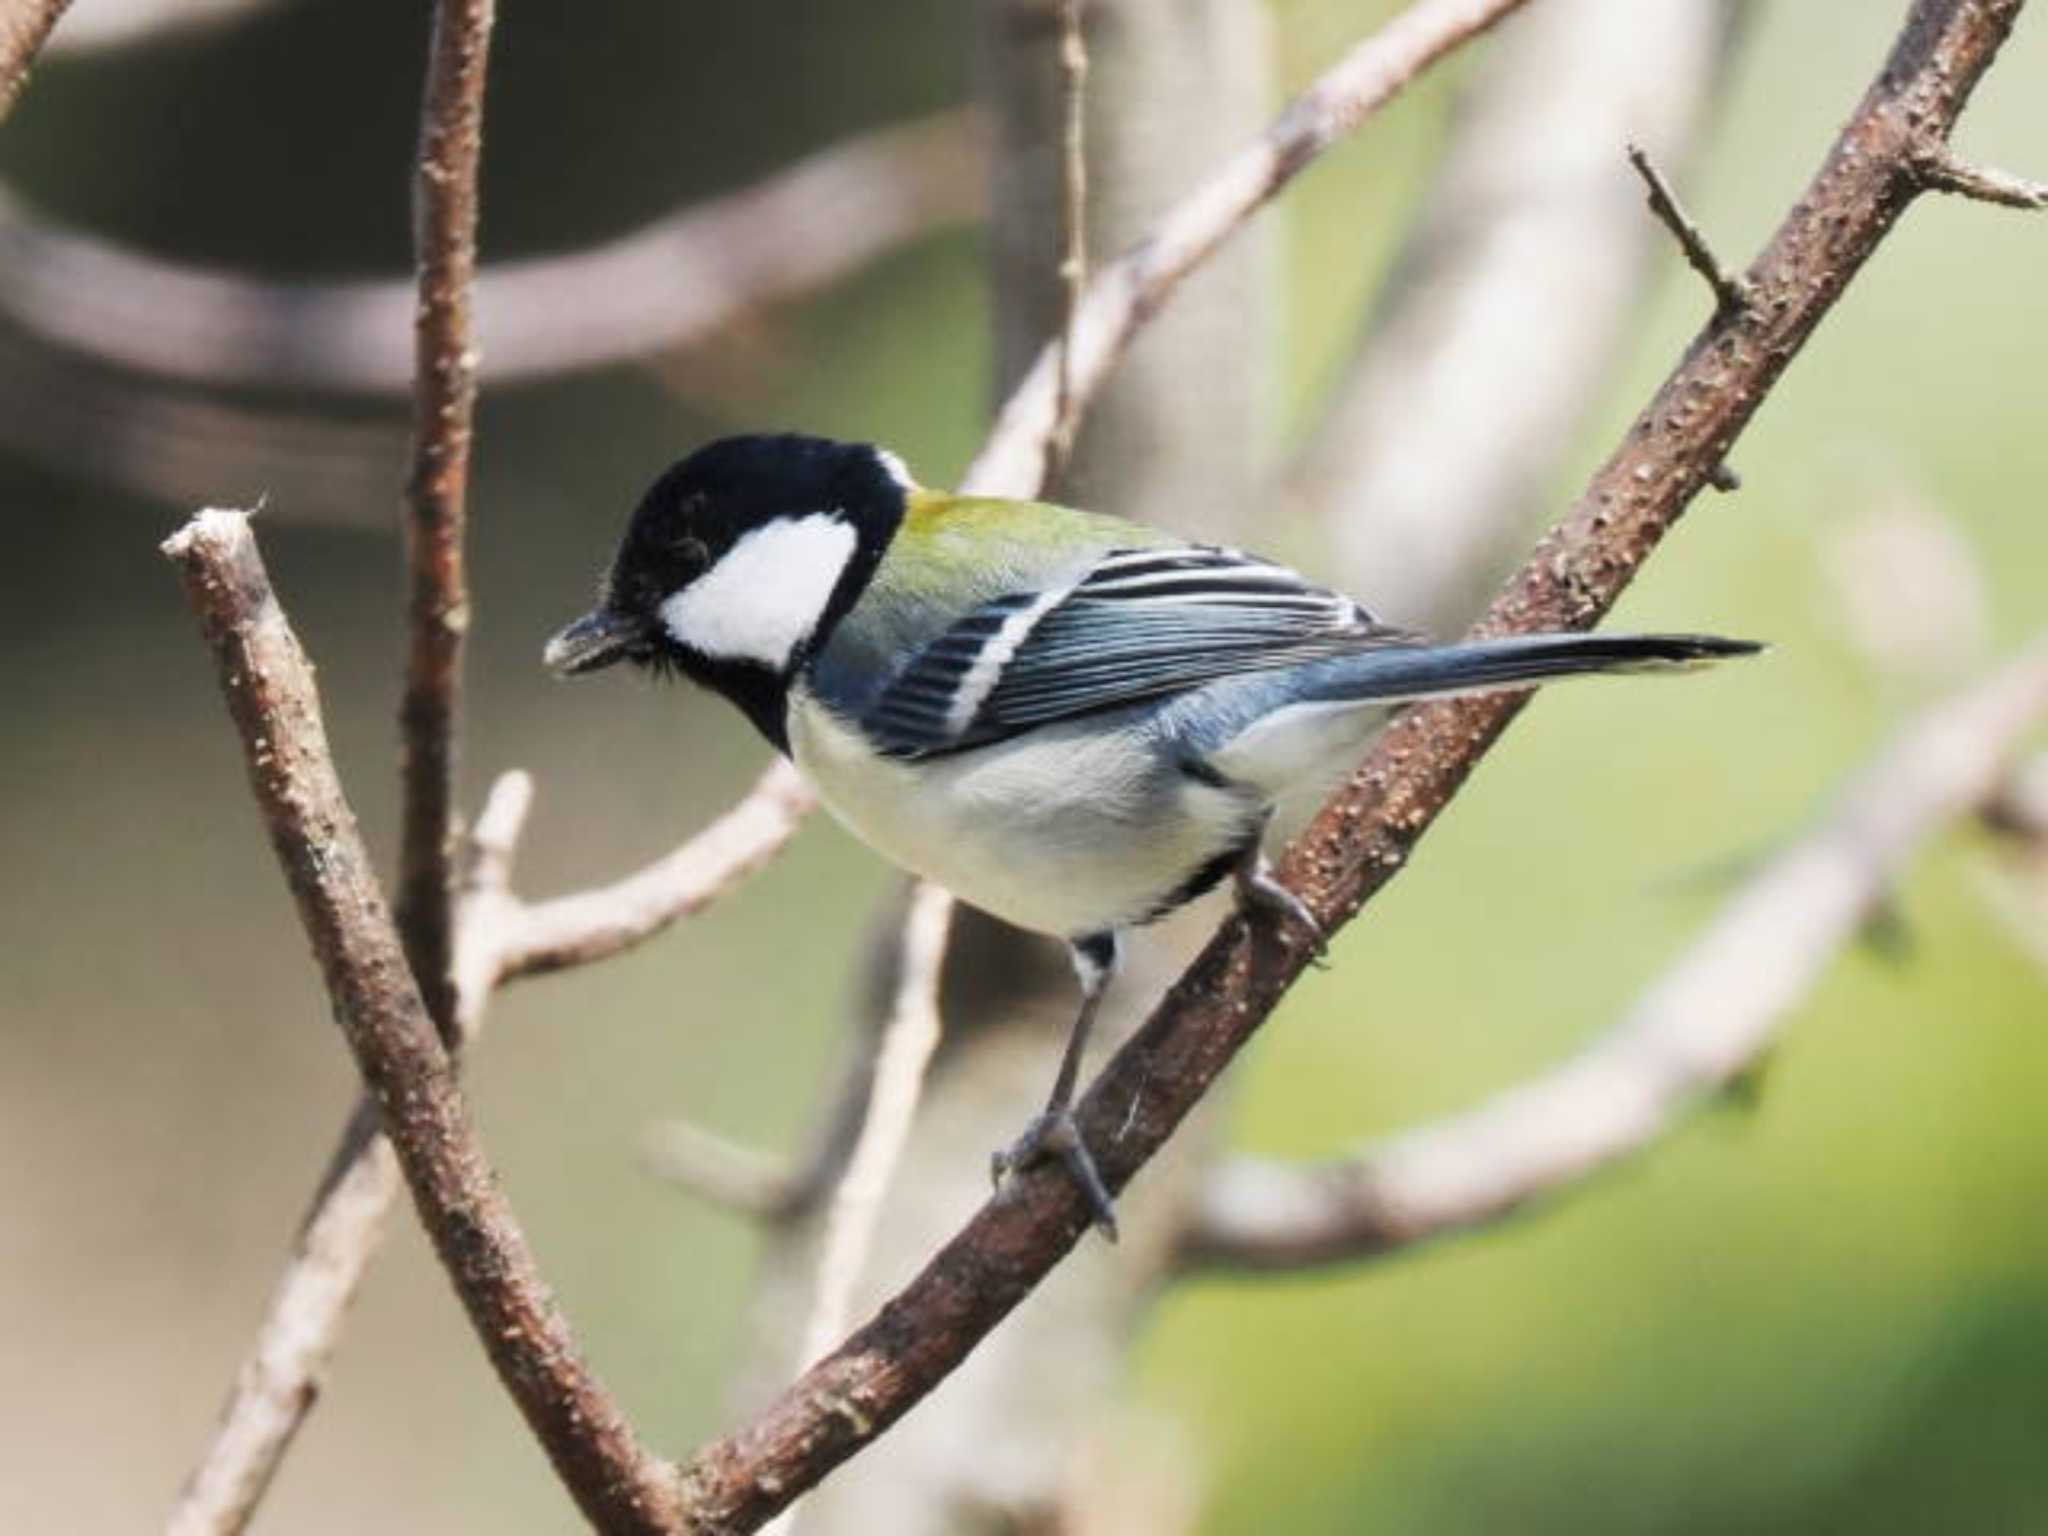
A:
(270, 693)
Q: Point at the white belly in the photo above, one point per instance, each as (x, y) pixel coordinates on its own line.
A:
(1069, 831)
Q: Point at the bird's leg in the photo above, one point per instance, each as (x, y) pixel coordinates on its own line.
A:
(1054, 1132)
(1260, 895)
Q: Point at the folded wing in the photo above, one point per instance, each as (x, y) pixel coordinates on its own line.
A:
(1140, 624)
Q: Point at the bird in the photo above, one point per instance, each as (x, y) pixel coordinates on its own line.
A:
(1074, 721)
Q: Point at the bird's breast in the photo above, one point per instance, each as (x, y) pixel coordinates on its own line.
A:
(1067, 830)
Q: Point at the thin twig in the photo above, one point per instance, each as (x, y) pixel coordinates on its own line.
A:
(1941, 169)
(1366, 834)
(1706, 1021)
(444, 401)
(666, 285)
(270, 693)
(24, 27)
(1073, 54)
(595, 924)
(723, 1172)
(781, 1192)
(907, 1042)
(1731, 294)
(1126, 291)
(280, 1378)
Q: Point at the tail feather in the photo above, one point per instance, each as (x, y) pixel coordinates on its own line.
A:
(1517, 661)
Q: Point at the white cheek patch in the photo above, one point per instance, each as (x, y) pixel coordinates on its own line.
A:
(763, 599)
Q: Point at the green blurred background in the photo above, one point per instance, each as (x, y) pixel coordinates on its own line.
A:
(1826, 1310)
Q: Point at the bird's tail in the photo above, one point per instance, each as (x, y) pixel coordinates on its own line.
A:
(1516, 661)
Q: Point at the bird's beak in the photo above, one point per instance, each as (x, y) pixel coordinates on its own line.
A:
(598, 639)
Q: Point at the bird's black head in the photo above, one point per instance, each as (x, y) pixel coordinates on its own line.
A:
(738, 562)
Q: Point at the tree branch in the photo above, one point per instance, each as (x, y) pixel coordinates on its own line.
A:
(24, 27)
(1708, 1019)
(666, 285)
(599, 923)
(1365, 835)
(500, 938)
(1073, 228)
(1124, 293)
(444, 402)
(270, 693)
(1942, 170)
(908, 1039)
(1731, 295)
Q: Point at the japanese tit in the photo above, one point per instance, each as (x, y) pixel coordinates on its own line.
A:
(1072, 721)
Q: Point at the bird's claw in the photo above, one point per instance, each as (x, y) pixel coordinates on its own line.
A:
(1057, 1135)
(1258, 892)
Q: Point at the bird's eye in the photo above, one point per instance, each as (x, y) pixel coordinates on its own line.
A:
(693, 553)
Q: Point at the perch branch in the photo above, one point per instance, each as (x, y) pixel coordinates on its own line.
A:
(666, 285)
(1731, 294)
(270, 694)
(1124, 293)
(1365, 835)
(444, 402)
(24, 27)
(1707, 1020)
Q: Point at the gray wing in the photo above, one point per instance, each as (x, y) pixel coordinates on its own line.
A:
(1140, 624)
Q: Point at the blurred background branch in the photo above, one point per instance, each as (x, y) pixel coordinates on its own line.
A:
(1706, 1021)
(666, 285)
(1513, 292)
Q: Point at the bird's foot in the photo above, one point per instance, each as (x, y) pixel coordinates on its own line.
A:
(1057, 1135)
(1259, 894)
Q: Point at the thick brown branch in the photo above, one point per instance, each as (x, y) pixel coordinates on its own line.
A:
(444, 401)
(24, 28)
(270, 693)
(1365, 835)
(1126, 291)
(1707, 1020)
